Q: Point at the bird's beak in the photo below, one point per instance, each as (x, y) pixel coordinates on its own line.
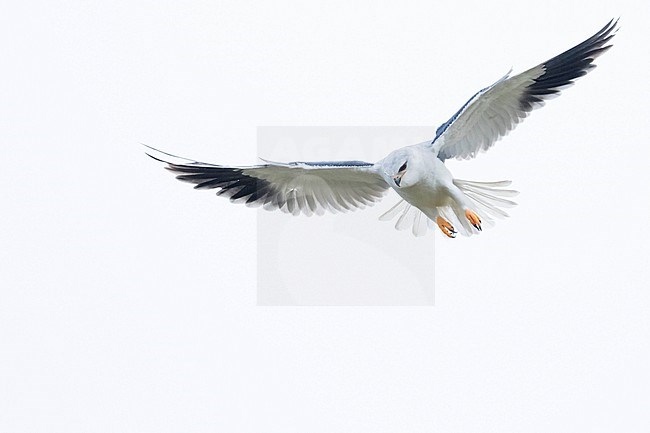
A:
(397, 180)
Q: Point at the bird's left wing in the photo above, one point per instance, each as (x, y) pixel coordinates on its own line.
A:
(496, 110)
(295, 187)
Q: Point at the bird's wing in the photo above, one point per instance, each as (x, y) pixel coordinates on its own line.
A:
(496, 110)
(295, 187)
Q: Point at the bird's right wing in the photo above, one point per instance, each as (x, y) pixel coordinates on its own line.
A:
(295, 187)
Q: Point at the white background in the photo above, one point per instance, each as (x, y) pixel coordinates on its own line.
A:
(128, 300)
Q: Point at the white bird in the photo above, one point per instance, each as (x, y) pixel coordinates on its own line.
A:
(430, 194)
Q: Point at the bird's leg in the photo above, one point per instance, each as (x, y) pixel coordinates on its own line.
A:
(473, 219)
(446, 227)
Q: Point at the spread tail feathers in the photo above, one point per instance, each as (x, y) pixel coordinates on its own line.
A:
(488, 200)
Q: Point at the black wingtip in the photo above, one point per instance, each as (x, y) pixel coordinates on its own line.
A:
(153, 157)
(607, 32)
(151, 151)
(158, 151)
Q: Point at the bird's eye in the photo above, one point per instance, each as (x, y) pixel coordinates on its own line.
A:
(403, 167)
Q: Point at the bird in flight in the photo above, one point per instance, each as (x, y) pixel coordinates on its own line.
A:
(430, 195)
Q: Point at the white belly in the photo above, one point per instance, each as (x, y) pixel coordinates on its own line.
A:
(431, 192)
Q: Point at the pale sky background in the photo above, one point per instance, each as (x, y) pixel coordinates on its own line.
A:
(127, 300)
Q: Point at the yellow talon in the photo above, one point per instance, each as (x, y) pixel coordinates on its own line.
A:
(473, 219)
(446, 227)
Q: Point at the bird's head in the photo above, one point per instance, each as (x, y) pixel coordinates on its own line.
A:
(396, 167)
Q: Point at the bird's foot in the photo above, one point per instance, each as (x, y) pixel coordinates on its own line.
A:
(473, 219)
(446, 227)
